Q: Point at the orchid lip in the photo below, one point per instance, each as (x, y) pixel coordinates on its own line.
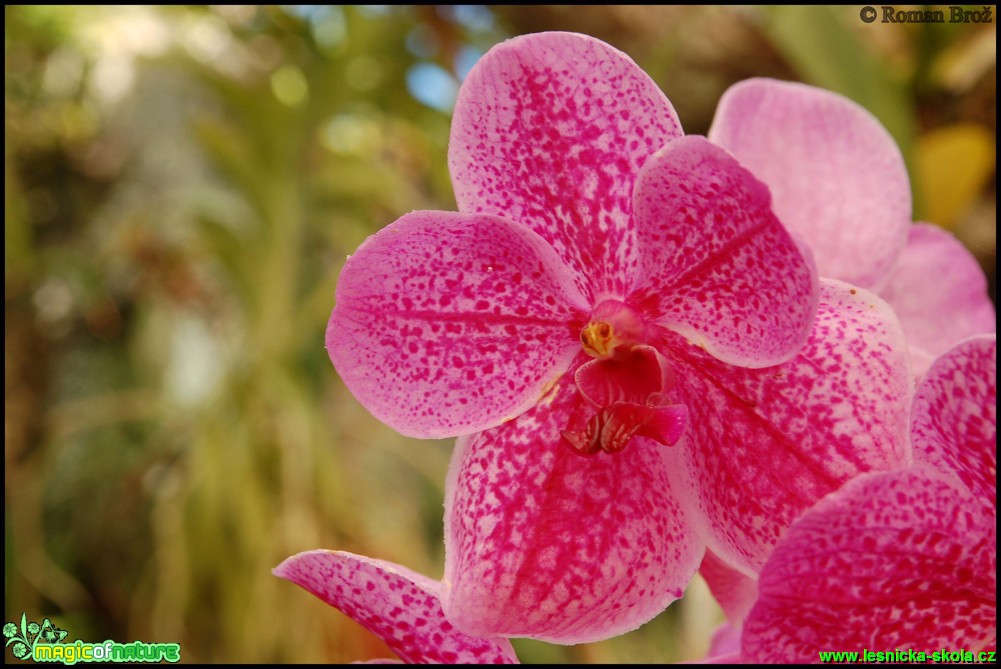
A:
(613, 427)
(628, 394)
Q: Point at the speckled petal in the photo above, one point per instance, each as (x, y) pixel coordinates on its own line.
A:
(449, 323)
(764, 445)
(939, 293)
(836, 175)
(718, 267)
(893, 560)
(735, 591)
(399, 606)
(542, 543)
(954, 421)
(551, 130)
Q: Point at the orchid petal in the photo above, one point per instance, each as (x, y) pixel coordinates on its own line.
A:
(726, 658)
(719, 268)
(450, 323)
(551, 130)
(954, 419)
(893, 560)
(764, 445)
(543, 543)
(939, 293)
(396, 604)
(835, 173)
(725, 643)
(736, 592)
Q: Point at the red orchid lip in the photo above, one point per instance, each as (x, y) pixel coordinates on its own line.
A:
(614, 426)
(633, 392)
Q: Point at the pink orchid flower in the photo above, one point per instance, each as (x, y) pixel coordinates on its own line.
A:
(837, 179)
(609, 288)
(904, 559)
(396, 604)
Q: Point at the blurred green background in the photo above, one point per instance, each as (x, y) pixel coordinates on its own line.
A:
(182, 186)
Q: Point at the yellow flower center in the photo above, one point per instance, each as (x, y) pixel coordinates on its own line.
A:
(614, 326)
(598, 339)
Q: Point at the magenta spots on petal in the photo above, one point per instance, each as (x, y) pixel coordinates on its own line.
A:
(551, 130)
(399, 606)
(899, 559)
(954, 416)
(764, 444)
(417, 360)
(545, 544)
(718, 267)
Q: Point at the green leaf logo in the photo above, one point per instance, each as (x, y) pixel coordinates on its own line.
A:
(50, 633)
(28, 635)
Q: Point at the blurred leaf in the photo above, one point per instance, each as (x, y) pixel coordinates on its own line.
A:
(232, 156)
(229, 247)
(953, 165)
(962, 62)
(17, 250)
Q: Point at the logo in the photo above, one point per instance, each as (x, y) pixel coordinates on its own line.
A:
(985, 14)
(45, 643)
